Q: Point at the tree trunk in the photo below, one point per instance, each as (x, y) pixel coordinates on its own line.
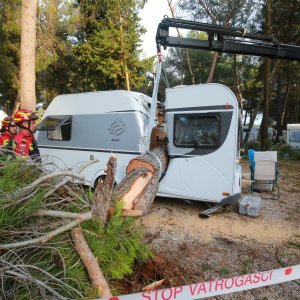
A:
(138, 189)
(252, 119)
(213, 67)
(126, 73)
(247, 110)
(267, 79)
(237, 89)
(16, 107)
(283, 110)
(28, 41)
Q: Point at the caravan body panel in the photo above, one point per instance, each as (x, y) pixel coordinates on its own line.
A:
(203, 126)
(293, 135)
(92, 126)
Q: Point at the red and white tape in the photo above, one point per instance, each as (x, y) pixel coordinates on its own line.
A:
(218, 287)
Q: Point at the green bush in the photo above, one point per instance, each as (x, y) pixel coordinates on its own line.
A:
(284, 151)
(256, 145)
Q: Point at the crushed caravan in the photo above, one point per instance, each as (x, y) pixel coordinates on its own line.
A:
(202, 130)
(85, 126)
(293, 135)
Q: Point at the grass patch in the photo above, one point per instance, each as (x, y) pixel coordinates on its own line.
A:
(246, 263)
(205, 267)
(224, 272)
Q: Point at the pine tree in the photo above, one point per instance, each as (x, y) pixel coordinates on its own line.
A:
(108, 44)
(10, 29)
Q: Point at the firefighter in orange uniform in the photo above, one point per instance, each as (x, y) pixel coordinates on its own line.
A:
(8, 132)
(25, 143)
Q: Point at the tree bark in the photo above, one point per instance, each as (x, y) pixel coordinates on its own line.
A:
(104, 190)
(236, 83)
(28, 41)
(16, 107)
(267, 79)
(138, 189)
(283, 111)
(99, 283)
(252, 119)
(126, 73)
(213, 67)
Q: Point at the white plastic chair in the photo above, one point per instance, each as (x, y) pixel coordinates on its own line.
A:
(264, 174)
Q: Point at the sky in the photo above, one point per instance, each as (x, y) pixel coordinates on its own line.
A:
(153, 12)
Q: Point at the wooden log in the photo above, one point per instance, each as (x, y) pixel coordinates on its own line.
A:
(99, 283)
(104, 190)
(138, 189)
(134, 192)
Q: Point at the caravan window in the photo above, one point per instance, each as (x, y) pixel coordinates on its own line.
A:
(57, 127)
(295, 135)
(197, 130)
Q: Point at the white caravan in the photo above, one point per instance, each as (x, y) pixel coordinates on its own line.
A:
(293, 135)
(85, 126)
(202, 128)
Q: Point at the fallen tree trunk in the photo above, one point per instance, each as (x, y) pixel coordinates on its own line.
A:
(138, 189)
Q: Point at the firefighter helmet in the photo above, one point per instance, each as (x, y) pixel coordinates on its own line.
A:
(24, 115)
(8, 121)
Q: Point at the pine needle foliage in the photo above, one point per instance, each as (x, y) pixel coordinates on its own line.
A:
(16, 174)
(18, 214)
(118, 245)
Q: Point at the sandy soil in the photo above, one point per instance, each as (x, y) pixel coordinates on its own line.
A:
(190, 249)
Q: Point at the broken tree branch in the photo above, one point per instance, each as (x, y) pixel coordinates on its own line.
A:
(46, 237)
(153, 286)
(90, 262)
(57, 214)
(103, 192)
(87, 164)
(52, 175)
(37, 282)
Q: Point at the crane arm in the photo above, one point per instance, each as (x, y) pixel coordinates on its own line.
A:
(224, 39)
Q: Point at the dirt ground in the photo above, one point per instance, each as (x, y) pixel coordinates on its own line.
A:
(190, 249)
